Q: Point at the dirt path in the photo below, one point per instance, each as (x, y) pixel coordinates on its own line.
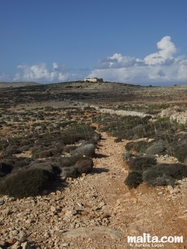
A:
(145, 210)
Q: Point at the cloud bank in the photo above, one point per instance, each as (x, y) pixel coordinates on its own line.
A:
(40, 73)
(157, 68)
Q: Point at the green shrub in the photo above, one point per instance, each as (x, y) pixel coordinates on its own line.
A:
(141, 163)
(69, 148)
(118, 139)
(163, 119)
(3, 145)
(49, 108)
(133, 180)
(139, 146)
(74, 166)
(84, 165)
(16, 119)
(46, 153)
(126, 127)
(27, 183)
(68, 172)
(14, 163)
(164, 174)
(68, 161)
(179, 150)
(126, 155)
(45, 165)
(154, 179)
(156, 148)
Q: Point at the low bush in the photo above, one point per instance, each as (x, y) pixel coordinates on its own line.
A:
(133, 180)
(95, 137)
(5, 168)
(75, 166)
(164, 174)
(69, 148)
(67, 161)
(139, 131)
(118, 139)
(47, 153)
(15, 163)
(141, 163)
(68, 172)
(45, 165)
(12, 149)
(3, 145)
(139, 146)
(152, 179)
(156, 148)
(27, 183)
(24, 142)
(179, 150)
(84, 165)
(126, 155)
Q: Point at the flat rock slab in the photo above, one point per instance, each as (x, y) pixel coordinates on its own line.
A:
(91, 231)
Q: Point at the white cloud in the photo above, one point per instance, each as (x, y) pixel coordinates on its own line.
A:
(160, 67)
(40, 73)
(55, 66)
(166, 49)
(118, 61)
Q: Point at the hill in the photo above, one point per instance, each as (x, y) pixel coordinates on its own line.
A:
(85, 165)
(105, 93)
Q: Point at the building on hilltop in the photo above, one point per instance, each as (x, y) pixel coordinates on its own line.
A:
(95, 79)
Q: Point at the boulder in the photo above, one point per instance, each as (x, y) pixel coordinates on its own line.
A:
(155, 148)
(85, 150)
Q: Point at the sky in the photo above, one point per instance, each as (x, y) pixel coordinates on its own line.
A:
(140, 42)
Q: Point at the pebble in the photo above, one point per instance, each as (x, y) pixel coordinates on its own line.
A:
(53, 209)
(160, 193)
(65, 244)
(26, 245)
(2, 201)
(15, 232)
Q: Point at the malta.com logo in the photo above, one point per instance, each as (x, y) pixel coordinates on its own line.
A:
(152, 241)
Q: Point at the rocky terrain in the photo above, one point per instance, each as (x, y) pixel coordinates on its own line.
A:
(85, 165)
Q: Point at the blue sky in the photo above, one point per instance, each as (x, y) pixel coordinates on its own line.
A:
(132, 41)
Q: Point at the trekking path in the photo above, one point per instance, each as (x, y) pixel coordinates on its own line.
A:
(110, 204)
(97, 210)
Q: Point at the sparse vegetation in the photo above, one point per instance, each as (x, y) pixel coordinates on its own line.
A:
(54, 142)
(164, 174)
(62, 135)
(64, 148)
(134, 179)
(141, 164)
(27, 183)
